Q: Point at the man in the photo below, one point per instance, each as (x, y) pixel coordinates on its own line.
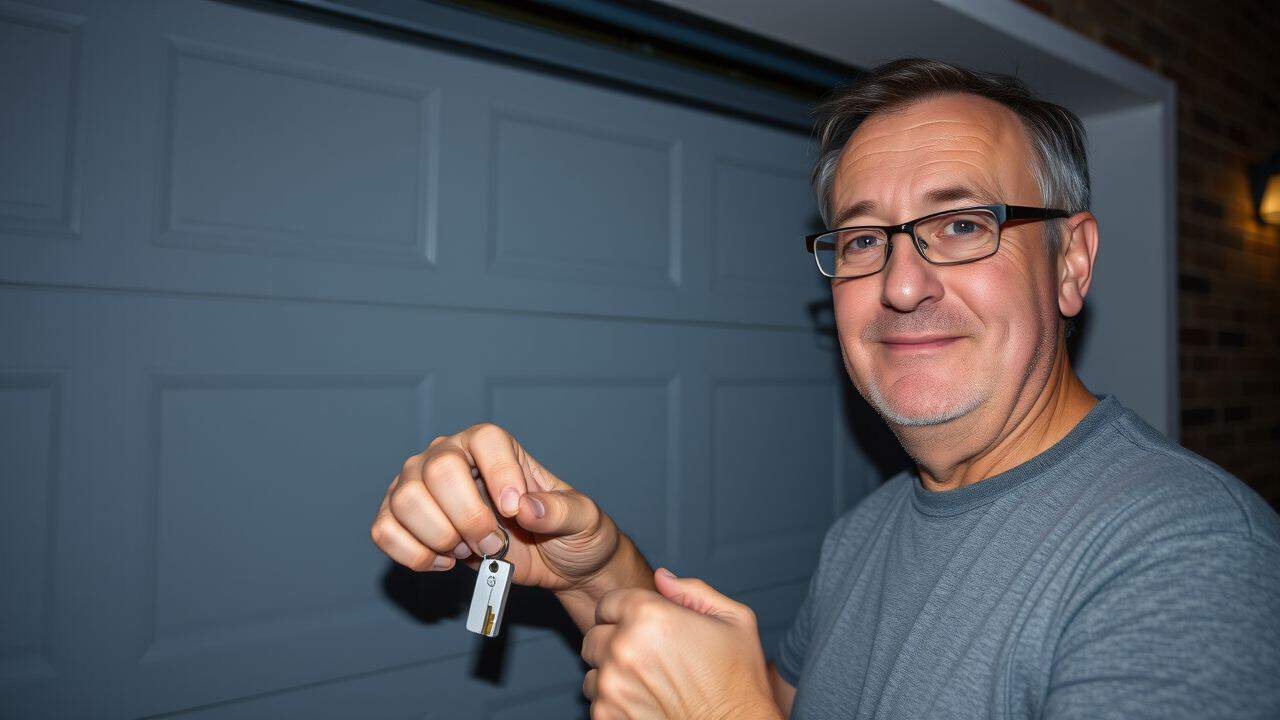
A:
(1051, 555)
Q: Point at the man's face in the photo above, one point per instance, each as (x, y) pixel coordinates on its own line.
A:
(991, 320)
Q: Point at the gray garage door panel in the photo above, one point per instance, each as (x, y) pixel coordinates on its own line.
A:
(236, 151)
(252, 263)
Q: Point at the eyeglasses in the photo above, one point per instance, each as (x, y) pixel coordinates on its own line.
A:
(950, 237)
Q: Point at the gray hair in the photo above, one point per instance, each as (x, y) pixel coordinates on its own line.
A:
(1056, 135)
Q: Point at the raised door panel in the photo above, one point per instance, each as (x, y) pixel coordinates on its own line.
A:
(757, 214)
(40, 79)
(32, 413)
(259, 483)
(584, 204)
(268, 156)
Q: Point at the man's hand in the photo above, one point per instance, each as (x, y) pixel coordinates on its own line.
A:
(684, 652)
(433, 515)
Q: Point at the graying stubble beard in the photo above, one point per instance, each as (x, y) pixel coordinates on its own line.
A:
(877, 400)
(886, 411)
(875, 397)
(1044, 347)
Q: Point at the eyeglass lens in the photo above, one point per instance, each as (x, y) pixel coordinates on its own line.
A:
(950, 238)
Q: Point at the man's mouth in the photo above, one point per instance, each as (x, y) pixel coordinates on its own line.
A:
(917, 343)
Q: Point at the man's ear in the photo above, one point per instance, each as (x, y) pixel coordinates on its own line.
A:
(1079, 247)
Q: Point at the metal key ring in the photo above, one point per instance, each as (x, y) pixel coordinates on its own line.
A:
(506, 544)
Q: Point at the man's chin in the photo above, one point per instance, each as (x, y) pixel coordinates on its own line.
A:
(921, 406)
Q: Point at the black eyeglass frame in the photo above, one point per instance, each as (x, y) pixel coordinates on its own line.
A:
(1003, 213)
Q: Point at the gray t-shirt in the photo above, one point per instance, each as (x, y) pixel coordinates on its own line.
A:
(1115, 575)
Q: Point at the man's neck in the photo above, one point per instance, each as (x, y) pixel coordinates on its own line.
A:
(963, 451)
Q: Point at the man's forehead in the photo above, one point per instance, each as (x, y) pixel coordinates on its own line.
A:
(930, 146)
(941, 120)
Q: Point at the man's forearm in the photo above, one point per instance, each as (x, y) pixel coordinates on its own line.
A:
(628, 568)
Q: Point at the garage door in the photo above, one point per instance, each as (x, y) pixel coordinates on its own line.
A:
(250, 262)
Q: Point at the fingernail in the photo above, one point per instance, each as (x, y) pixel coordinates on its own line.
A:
(510, 501)
(664, 571)
(491, 544)
(462, 551)
(441, 563)
(536, 505)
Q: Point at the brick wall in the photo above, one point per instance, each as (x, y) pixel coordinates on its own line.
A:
(1225, 59)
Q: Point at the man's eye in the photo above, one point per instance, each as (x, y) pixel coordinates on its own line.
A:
(962, 227)
(862, 242)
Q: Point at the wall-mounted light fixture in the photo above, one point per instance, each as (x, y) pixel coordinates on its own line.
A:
(1265, 179)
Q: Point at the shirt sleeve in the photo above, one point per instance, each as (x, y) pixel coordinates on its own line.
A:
(795, 642)
(794, 645)
(1188, 627)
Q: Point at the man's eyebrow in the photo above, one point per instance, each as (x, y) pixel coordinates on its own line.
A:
(862, 207)
(936, 196)
(954, 193)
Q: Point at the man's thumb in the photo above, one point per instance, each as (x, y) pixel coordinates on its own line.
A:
(557, 512)
(697, 595)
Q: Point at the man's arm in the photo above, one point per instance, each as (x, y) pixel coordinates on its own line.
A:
(627, 569)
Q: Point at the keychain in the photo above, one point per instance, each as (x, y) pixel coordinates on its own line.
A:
(490, 597)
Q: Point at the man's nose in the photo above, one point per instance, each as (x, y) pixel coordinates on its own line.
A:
(909, 279)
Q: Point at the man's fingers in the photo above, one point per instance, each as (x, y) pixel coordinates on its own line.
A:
(441, 500)
(590, 684)
(494, 452)
(596, 642)
(412, 505)
(385, 507)
(446, 473)
(400, 545)
(558, 513)
(614, 605)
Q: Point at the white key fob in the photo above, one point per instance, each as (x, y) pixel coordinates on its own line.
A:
(490, 598)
